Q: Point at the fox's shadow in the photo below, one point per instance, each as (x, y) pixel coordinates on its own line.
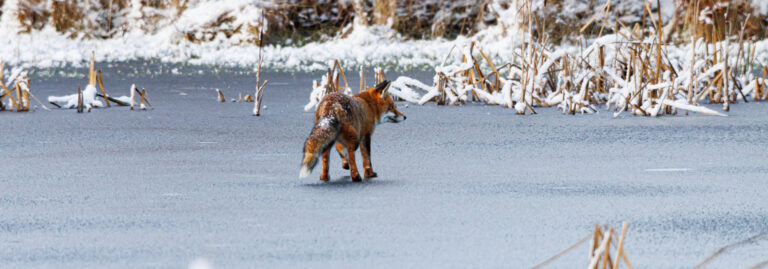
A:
(346, 182)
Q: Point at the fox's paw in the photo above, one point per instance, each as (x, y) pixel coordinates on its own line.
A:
(345, 165)
(370, 174)
(356, 178)
(324, 177)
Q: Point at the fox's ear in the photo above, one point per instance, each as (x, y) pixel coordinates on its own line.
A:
(383, 88)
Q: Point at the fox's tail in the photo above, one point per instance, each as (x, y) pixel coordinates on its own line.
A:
(323, 135)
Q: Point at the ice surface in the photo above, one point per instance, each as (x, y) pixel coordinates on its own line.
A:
(458, 187)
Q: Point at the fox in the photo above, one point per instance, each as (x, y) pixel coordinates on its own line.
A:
(348, 122)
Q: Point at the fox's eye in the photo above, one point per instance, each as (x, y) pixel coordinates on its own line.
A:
(391, 107)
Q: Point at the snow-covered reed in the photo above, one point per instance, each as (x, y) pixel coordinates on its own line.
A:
(18, 86)
(18, 81)
(628, 71)
(87, 99)
(330, 83)
(631, 70)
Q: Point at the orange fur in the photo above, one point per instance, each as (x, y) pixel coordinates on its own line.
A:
(348, 121)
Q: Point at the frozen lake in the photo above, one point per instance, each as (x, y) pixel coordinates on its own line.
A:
(459, 187)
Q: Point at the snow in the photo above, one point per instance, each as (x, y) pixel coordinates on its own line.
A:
(131, 99)
(211, 32)
(125, 99)
(198, 37)
(8, 22)
(761, 6)
(324, 122)
(210, 19)
(170, 42)
(70, 101)
(403, 88)
(319, 90)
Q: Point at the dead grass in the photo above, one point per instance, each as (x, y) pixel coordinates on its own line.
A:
(713, 20)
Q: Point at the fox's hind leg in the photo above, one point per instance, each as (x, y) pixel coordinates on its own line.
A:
(349, 139)
(324, 176)
(343, 154)
(352, 166)
(365, 152)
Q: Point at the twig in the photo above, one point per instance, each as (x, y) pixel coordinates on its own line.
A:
(620, 248)
(101, 85)
(599, 251)
(79, 100)
(116, 101)
(144, 98)
(38, 101)
(722, 250)
(561, 253)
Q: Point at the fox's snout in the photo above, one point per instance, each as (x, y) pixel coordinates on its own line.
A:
(394, 117)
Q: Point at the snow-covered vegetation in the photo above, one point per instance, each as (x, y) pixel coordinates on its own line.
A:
(646, 57)
(85, 100)
(641, 69)
(305, 34)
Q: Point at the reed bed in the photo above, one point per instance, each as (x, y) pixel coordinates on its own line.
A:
(259, 92)
(627, 71)
(86, 99)
(332, 79)
(329, 83)
(19, 95)
(17, 92)
(306, 20)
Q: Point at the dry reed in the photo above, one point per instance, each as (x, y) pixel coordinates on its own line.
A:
(628, 70)
(603, 239)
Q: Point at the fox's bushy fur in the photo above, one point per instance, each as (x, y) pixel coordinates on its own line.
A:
(348, 122)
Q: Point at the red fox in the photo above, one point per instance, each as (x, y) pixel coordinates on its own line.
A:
(348, 121)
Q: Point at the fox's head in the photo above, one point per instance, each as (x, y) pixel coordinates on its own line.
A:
(382, 101)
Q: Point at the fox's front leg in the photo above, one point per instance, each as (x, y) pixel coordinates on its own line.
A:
(343, 154)
(365, 152)
(324, 176)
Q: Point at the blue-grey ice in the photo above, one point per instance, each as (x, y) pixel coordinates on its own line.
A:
(469, 186)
